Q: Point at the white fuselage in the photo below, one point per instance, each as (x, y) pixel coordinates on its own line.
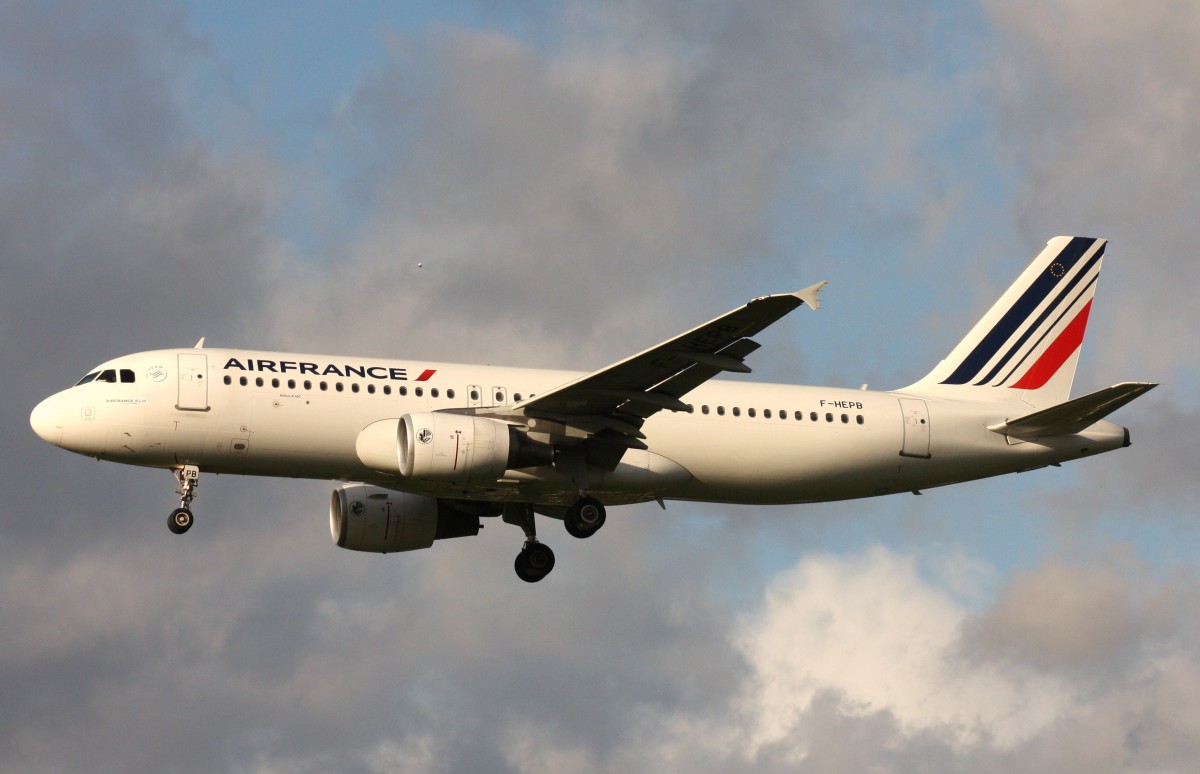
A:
(276, 414)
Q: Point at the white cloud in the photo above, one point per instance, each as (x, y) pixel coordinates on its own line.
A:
(870, 631)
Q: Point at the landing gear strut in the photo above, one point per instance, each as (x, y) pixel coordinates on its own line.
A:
(584, 517)
(181, 518)
(536, 560)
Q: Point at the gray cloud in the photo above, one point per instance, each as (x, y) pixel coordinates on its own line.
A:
(1106, 128)
(1061, 617)
(602, 188)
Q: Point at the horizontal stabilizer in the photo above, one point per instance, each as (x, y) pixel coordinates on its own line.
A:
(1075, 415)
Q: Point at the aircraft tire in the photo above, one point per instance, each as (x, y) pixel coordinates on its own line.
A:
(584, 517)
(535, 562)
(181, 521)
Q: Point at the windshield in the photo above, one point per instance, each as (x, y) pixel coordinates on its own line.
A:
(109, 375)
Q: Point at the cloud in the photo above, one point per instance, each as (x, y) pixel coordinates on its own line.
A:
(1096, 105)
(1062, 617)
(572, 193)
(598, 187)
(869, 631)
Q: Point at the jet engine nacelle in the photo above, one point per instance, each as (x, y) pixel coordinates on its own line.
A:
(367, 518)
(441, 446)
(452, 447)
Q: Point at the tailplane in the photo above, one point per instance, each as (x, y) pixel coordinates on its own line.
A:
(1027, 345)
(1074, 416)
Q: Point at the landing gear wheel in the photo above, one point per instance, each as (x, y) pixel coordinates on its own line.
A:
(584, 517)
(535, 562)
(181, 521)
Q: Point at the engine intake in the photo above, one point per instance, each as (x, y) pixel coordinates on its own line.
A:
(368, 518)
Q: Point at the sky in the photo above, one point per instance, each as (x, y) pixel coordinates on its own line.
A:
(580, 181)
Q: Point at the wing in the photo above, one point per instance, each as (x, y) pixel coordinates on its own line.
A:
(604, 411)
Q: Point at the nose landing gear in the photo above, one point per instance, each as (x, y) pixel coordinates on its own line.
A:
(181, 518)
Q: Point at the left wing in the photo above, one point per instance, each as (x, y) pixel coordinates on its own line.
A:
(607, 408)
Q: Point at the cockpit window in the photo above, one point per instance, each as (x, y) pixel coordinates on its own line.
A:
(110, 375)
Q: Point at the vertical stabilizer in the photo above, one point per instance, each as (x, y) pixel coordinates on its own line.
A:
(1027, 345)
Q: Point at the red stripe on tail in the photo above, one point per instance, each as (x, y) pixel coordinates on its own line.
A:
(1052, 359)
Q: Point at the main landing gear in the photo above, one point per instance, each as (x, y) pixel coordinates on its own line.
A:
(536, 560)
(584, 517)
(181, 518)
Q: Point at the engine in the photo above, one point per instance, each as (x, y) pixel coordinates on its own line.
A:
(367, 518)
(440, 446)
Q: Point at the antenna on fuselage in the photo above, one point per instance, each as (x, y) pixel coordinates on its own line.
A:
(200, 343)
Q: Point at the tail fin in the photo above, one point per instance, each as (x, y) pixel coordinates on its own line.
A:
(1028, 342)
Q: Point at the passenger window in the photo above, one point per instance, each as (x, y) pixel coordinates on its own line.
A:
(720, 411)
(751, 412)
(402, 391)
(354, 387)
(419, 392)
(291, 384)
(228, 379)
(387, 389)
(516, 396)
(860, 419)
(813, 416)
(737, 412)
(766, 413)
(450, 395)
(433, 393)
(243, 381)
(799, 416)
(845, 419)
(829, 417)
(704, 409)
(307, 384)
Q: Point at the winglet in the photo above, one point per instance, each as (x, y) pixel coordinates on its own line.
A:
(810, 295)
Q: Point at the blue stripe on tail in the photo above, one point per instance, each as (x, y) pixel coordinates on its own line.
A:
(1020, 311)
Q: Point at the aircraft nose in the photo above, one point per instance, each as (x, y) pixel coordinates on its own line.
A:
(46, 421)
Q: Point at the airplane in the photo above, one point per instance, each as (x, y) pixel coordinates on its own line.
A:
(424, 451)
